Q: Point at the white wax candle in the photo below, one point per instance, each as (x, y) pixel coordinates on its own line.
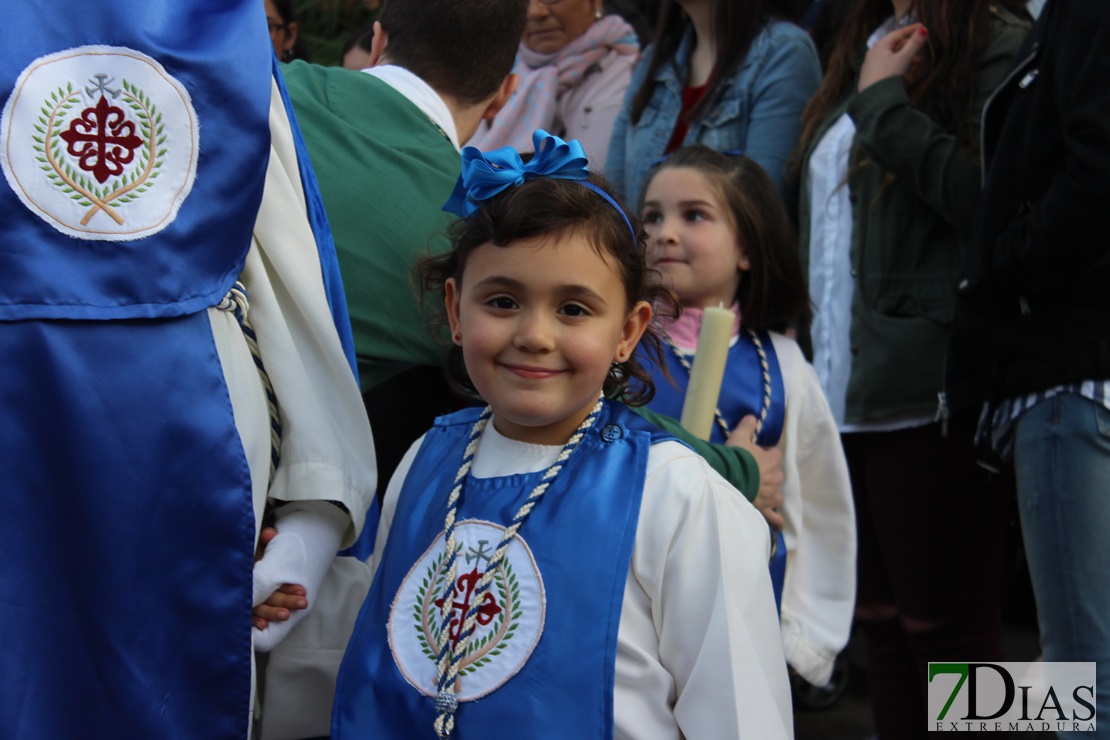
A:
(708, 371)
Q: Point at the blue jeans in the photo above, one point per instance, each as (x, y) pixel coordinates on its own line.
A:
(1062, 462)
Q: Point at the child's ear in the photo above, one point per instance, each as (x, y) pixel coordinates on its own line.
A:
(634, 327)
(451, 301)
(743, 262)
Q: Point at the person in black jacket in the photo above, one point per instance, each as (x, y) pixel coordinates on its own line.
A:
(1031, 339)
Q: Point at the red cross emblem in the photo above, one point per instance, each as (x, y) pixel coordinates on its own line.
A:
(486, 612)
(102, 139)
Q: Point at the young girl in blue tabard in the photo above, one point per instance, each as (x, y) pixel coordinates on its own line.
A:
(553, 566)
(719, 235)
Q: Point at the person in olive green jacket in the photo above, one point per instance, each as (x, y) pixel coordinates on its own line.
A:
(890, 177)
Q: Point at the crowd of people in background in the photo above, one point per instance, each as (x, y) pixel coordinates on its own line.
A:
(533, 207)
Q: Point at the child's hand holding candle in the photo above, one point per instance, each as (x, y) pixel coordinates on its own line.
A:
(708, 371)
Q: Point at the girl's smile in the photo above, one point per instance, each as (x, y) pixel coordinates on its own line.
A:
(541, 321)
(534, 373)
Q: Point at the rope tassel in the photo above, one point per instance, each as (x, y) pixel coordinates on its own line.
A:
(237, 303)
(451, 653)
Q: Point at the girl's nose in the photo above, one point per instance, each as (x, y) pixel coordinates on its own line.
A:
(534, 333)
(665, 231)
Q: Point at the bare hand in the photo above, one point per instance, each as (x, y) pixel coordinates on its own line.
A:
(893, 55)
(290, 597)
(769, 459)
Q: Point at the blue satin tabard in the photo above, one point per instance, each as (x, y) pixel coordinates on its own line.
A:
(580, 538)
(742, 393)
(126, 544)
(741, 390)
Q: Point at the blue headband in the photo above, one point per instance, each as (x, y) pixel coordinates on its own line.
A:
(485, 175)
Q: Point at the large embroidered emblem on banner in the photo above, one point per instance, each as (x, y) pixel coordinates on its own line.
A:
(100, 142)
(510, 616)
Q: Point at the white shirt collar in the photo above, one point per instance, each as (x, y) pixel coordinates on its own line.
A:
(498, 455)
(420, 94)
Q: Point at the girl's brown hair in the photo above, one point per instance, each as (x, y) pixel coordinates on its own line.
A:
(772, 294)
(945, 83)
(556, 208)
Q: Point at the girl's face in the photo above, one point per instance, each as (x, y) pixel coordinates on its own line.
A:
(691, 240)
(541, 321)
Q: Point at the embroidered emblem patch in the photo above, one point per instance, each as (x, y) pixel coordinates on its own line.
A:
(100, 142)
(510, 618)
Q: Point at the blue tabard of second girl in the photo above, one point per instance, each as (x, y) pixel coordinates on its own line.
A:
(742, 393)
(741, 390)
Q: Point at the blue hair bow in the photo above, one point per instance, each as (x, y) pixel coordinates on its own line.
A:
(484, 175)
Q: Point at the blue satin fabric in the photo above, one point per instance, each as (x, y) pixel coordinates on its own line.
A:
(741, 390)
(581, 534)
(741, 394)
(126, 545)
(127, 536)
(221, 52)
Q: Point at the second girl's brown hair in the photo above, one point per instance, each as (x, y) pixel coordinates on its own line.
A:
(772, 293)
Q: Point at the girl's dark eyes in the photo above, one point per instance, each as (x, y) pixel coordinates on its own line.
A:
(503, 302)
(652, 217)
(694, 215)
(574, 310)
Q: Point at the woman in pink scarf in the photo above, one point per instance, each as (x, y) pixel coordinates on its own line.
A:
(574, 66)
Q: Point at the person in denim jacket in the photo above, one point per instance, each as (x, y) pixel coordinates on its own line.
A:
(749, 96)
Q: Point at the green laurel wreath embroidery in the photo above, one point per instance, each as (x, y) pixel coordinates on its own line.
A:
(116, 192)
(428, 631)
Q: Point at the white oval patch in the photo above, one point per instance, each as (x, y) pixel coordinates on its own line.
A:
(100, 142)
(510, 620)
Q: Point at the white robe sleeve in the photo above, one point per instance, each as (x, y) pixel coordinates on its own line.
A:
(327, 451)
(389, 504)
(820, 586)
(699, 651)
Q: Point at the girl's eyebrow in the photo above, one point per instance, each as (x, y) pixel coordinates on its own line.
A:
(702, 203)
(499, 281)
(682, 204)
(567, 291)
